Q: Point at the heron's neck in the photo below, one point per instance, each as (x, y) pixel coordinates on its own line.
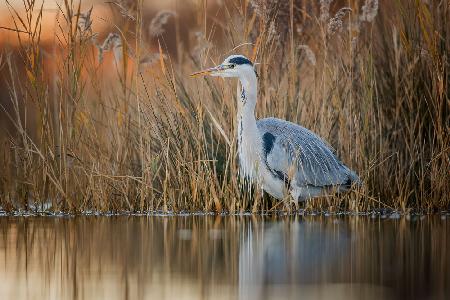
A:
(248, 94)
(249, 139)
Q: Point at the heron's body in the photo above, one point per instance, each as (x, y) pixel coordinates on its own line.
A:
(293, 160)
(282, 157)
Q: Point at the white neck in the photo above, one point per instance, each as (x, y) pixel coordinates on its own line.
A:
(249, 139)
(249, 86)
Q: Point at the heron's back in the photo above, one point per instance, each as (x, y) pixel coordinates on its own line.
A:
(314, 161)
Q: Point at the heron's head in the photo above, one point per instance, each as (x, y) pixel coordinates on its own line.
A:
(232, 66)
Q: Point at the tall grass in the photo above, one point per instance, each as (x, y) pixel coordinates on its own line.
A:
(128, 130)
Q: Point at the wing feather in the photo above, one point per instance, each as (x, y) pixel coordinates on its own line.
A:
(312, 160)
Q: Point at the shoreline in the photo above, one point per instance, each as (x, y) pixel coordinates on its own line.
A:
(383, 214)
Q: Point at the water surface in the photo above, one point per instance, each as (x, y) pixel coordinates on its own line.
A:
(231, 257)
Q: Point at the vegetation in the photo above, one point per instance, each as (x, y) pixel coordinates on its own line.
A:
(119, 127)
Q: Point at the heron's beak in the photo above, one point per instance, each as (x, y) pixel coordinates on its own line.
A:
(208, 71)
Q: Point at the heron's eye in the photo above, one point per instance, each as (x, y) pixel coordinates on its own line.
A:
(231, 66)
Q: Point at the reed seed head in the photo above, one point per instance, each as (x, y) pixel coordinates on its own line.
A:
(260, 6)
(157, 24)
(112, 42)
(202, 44)
(84, 21)
(369, 11)
(336, 22)
(325, 10)
(127, 8)
(309, 54)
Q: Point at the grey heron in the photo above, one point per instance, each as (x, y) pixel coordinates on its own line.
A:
(282, 157)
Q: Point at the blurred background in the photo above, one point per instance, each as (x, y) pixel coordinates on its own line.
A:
(106, 16)
(98, 112)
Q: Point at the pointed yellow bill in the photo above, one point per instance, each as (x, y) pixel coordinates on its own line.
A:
(206, 72)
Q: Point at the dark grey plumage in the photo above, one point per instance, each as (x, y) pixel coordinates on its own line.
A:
(268, 142)
(302, 155)
(240, 60)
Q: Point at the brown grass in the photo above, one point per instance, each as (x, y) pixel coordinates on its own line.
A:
(117, 135)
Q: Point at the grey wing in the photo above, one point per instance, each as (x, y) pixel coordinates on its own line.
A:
(300, 155)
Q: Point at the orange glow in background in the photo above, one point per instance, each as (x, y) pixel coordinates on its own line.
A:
(102, 17)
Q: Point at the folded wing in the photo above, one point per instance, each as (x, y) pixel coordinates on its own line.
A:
(301, 155)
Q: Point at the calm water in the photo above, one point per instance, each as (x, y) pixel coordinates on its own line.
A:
(245, 257)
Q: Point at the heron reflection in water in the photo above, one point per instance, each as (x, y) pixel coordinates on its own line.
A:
(298, 259)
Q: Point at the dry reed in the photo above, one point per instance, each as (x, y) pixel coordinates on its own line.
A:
(139, 135)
